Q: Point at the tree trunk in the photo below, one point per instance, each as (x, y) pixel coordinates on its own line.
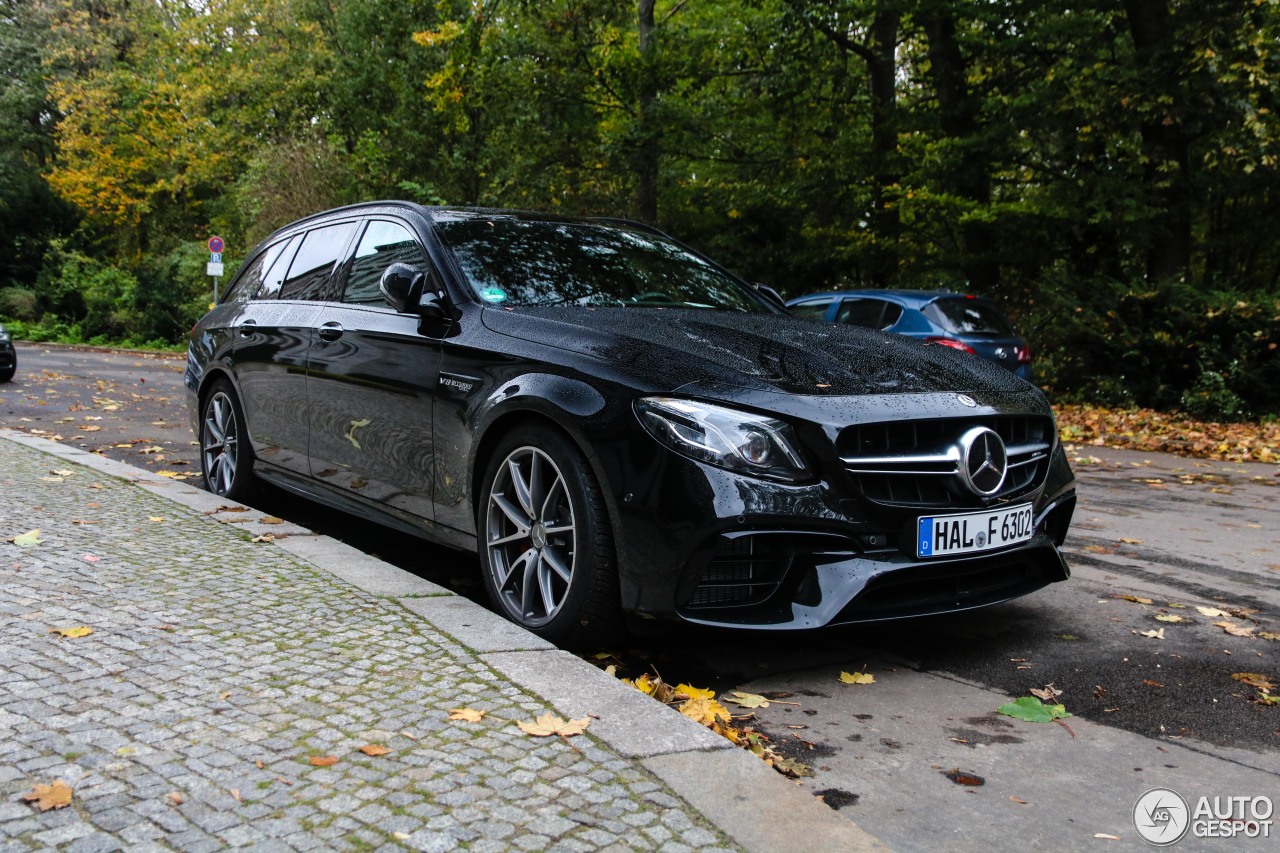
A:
(882, 68)
(1165, 147)
(646, 153)
(971, 180)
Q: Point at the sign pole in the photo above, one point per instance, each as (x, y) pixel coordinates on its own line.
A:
(214, 267)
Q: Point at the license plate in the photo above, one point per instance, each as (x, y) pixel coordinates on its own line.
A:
(973, 532)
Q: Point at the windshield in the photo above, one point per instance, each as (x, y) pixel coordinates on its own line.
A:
(515, 262)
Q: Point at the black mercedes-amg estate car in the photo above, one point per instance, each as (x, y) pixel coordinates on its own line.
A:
(617, 425)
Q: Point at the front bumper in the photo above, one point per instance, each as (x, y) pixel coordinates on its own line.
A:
(708, 546)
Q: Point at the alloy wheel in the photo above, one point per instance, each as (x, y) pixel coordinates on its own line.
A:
(220, 443)
(529, 533)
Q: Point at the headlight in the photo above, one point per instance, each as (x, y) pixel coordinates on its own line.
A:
(739, 441)
(4, 336)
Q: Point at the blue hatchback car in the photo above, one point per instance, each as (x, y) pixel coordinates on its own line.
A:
(968, 323)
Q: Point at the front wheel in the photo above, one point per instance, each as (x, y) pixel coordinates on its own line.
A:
(226, 460)
(546, 549)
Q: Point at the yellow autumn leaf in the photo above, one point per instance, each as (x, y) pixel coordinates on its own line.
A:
(747, 700)
(73, 633)
(1170, 618)
(644, 684)
(27, 540)
(1211, 612)
(857, 678)
(694, 692)
(467, 715)
(548, 725)
(1158, 634)
(705, 710)
(1235, 630)
(55, 796)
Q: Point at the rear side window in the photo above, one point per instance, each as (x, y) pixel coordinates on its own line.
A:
(250, 278)
(813, 310)
(273, 276)
(311, 272)
(968, 317)
(384, 243)
(868, 313)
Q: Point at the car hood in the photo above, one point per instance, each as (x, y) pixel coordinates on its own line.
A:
(666, 349)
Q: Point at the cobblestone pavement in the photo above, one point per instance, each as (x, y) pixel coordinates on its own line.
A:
(217, 668)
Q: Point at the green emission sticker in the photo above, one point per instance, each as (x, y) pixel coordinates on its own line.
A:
(493, 294)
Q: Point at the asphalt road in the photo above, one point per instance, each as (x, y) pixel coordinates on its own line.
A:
(1154, 701)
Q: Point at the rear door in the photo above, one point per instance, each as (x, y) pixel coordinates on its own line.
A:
(275, 331)
(370, 379)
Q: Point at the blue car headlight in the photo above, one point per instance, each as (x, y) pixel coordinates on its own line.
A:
(727, 438)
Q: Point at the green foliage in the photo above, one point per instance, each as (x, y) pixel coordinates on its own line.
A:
(1108, 171)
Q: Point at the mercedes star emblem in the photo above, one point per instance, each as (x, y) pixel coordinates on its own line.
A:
(983, 461)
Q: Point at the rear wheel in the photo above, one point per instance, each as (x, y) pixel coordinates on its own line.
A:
(226, 459)
(546, 549)
(7, 373)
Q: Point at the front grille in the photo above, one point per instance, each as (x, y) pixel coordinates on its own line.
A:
(917, 463)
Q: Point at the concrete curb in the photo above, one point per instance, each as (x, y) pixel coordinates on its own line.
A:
(741, 796)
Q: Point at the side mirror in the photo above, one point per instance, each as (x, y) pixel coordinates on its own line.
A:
(401, 286)
(773, 296)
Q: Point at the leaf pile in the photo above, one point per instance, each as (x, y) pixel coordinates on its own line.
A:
(1168, 432)
(699, 704)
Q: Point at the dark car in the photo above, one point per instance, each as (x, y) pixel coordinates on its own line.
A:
(961, 321)
(618, 425)
(8, 356)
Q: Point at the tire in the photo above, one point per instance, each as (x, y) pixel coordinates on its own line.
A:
(7, 374)
(226, 459)
(546, 547)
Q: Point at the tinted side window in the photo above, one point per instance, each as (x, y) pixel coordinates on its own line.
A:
(892, 311)
(250, 277)
(861, 312)
(384, 243)
(274, 275)
(813, 310)
(310, 272)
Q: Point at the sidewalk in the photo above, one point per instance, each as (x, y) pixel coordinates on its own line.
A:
(218, 667)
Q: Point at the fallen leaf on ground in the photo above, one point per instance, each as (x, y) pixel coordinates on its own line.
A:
(89, 558)
(691, 692)
(374, 749)
(73, 633)
(1211, 612)
(1150, 683)
(264, 538)
(1269, 635)
(1131, 541)
(155, 519)
(1137, 599)
(28, 539)
(1105, 836)
(705, 711)
(1235, 630)
(857, 678)
(1157, 634)
(548, 725)
(1170, 617)
(55, 796)
(175, 797)
(960, 777)
(1254, 679)
(324, 760)
(1032, 710)
(235, 795)
(747, 700)
(468, 715)
(1018, 800)
(270, 519)
(1048, 694)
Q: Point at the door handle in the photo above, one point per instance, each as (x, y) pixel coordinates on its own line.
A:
(247, 328)
(330, 331)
